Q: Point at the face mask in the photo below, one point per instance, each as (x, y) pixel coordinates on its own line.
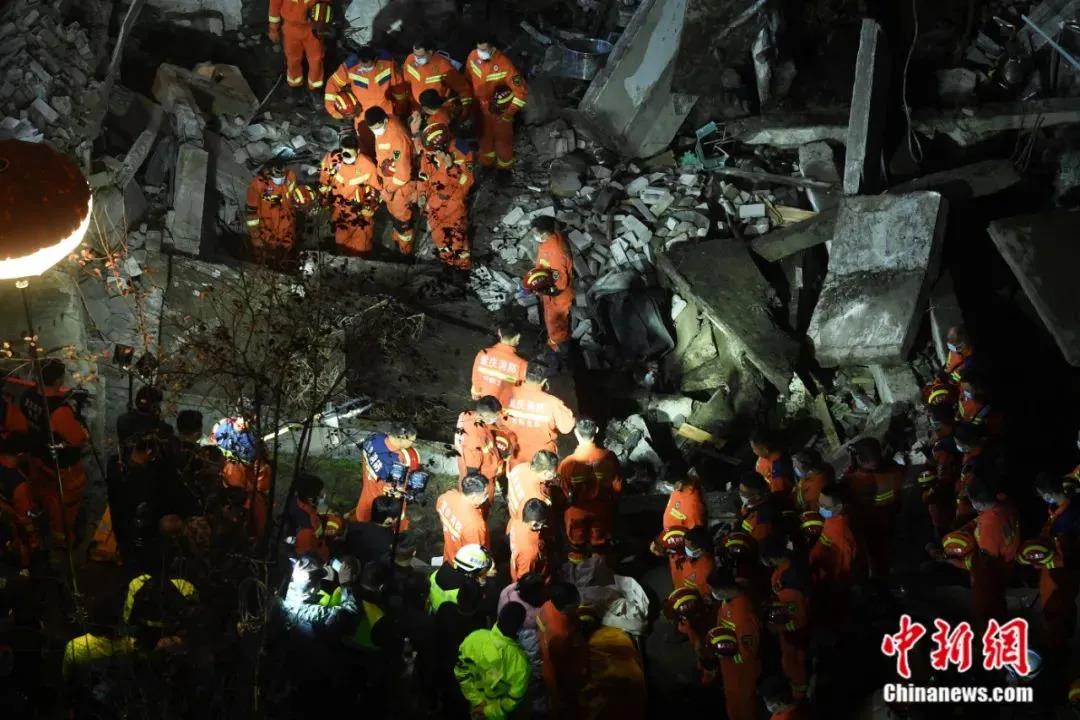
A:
(952, 347)
(968, 395)
(1048, 499)
(692, 553)
(961, 448)
(483, 54)
(366, 68)
(1078, 444)
(826, 512)
(377, 132)
(278, 180)
(800, 473)
(421, 61)
(744, 500)
(348, 157)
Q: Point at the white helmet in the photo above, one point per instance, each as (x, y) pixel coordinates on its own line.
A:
(472, 558)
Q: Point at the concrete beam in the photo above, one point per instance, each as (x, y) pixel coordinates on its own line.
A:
(945, 313)
(795, 238)
(790, 130)
(1043, 251)
(232, 11)
(866, 121)
(967, 182)
(973, 125)
(189, 200)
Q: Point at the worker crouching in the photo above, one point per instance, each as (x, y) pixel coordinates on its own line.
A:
(446, 177)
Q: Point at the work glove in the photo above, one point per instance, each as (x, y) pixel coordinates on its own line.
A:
(522, 291)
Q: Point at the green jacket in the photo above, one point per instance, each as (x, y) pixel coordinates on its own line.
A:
(493, 672)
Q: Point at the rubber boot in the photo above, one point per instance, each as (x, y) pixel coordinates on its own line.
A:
(296, 96)
(316, 98)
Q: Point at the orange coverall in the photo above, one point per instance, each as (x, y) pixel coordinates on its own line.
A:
(794, 636)
(692, 572)
(1058, 581)
(564, 659)
(878, 496)
(254, 480)
(394, 159)
(437, 74)
(832, 558)
(955, 362)
(496, 371)
(351, 191)
(373, 487)
(290, 18)
(740, 673)
(309, 536)
(554, 253)
(522, 485)
(758, 521)
(462, 523)
(271, 214)
(686, 508)
(496, 131)
(537, 418)
(808, 490)
(777, 471)
(528, 550)
(997, 532)
(474, 441)
(382, 87)
(592, 481)
(445, 182)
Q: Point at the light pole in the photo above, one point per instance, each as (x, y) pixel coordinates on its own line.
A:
(45, 208)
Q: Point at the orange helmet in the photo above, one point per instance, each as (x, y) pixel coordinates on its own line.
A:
(927, 478)
(1036, 552)
(436, 138)
(810, 525)
(540, 280)
(778, 614)
(500, 99)
(346, 103)
(958, 545)
(723, 641)
(386, 167)
(333, 526)
(940, 393)
(587, 617)
(737, 544)
(304, 196)
(1070, 483)
(1074, 692)
(673, 541)
(683, 604)
(321, 13)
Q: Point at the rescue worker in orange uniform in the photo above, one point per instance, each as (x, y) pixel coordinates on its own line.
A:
(271, 212)
(494, 78)
(776, 694)
(300, 23)
(774, 465)
(811, 474)
(442, 190)
(692, 567)
(786, 611)
(435, 111)
(529, 542)
(379, 453)
(832, 557)
(740, 671)
(305, 519)
(968, 443)
(592, 481)
(997, 533)
(533, 479)
(758, 518)
(938, 482)
(686, 504)
(476, 440)
(372, 81)
(974, 407)
(394, 159)
(462, 522)
(563, 650)
(246, 468)
(958, 361)
(554, 254)
(349, 185)
(498, 369)
(536, 417)
(17, 498)
(52, 417)
(426, 69)
(1058, 578)
(876, 483)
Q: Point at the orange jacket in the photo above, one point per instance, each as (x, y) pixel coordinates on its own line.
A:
(776, 469)
(686, 508)
(955, 361)
(876, 488)
(591, 475)
(271, 206)
(394, 156)
(758, 520)
(437, 74)
(446, 186)
(739, 615)
(254, 477)
(309, 533)
(794, 598)
(528, 550)
(997, 531)
(833, 555)
(554, 253)
(808, 490)
(537, 418)
(462, 523)
(381, 87)
(564, 658)
(474, 441)
(349, 183)
(496, 371)
(522, 485)
(291, 12)
(486, 75)
(692, 572)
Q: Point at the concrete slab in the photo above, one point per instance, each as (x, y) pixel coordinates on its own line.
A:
(630, 101)
(716, 34)
(885, 252)
(189, 199)
(791, 130)
(738, 305)
(1044, 251)
(895, 383)
(231, 10)
(816, 162)
(795, 238)
(866, 121)
(945, 313)
(973, 125)
(216, 89)
(967, 182)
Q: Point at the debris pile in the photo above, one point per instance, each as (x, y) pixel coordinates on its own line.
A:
(47, 84)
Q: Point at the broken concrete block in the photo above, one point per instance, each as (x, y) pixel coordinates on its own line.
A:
(256, 132)
(884, 254)
(42, 113)
(514, 216)
(964, 183)
(944, 313)
(581, 241)
(795, 238)
(750, 211)
(956, 85)
(866, 121)
(641, 232)
(636, 186)
(189, 198)
(978, 123)
(298, 142)
(1042, 251)
(895, 383)
(816, 162)
(630, 101)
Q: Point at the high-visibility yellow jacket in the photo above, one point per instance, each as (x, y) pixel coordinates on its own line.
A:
(493, 672)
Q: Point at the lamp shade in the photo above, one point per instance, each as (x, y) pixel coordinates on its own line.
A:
(45, 205)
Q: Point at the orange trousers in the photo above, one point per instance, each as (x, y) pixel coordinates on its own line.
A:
(399, 203)
(496, 141)
(62, 514)
(794, 647)
(879, 537)
(273, 238)
(557, 317)
(740, 688)
(300, 42)
(588, 525)
(448, 221)
(354, 234)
